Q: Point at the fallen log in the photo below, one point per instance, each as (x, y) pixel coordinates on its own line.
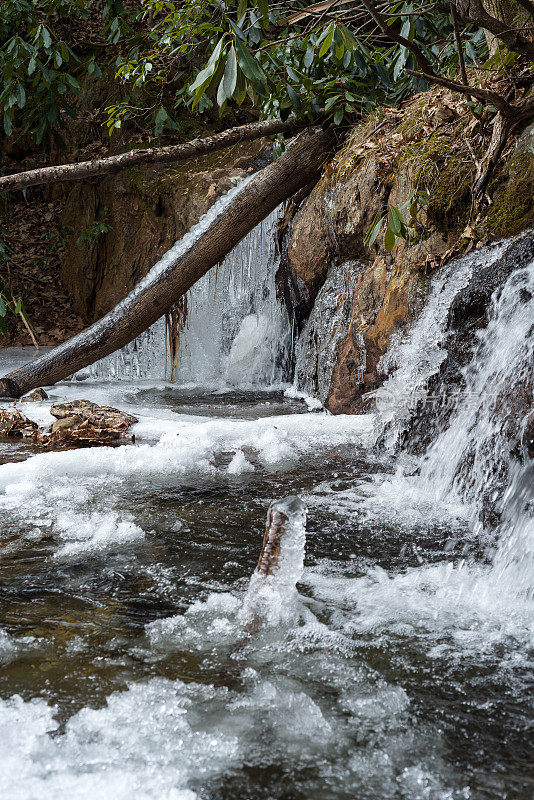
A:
(171, 154)
(182, 266)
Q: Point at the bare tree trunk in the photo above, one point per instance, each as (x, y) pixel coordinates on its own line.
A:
(152, 155)
(177, 271)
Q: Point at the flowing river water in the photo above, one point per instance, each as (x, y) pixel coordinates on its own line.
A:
(401, 667)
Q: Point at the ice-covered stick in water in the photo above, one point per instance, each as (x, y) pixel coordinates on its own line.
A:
(271, 597)
(274, 530)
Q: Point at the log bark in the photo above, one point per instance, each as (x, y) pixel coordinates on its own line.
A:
(177, 271)
(153, 155)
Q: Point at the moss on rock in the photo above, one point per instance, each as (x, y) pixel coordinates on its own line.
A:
(513, 197)
(451, 197)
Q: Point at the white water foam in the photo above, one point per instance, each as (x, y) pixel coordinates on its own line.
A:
(143, 744)
(70, 494)
(461, 606)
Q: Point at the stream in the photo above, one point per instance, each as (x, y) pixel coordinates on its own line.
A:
(401, 667)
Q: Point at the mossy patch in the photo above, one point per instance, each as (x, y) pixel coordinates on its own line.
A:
(513, 197)
(451, 197)
(136, 178)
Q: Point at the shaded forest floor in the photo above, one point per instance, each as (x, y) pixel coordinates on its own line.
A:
(32, 272)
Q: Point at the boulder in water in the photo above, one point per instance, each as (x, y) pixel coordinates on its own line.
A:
(78, 424)
(103, 417)
(34, 397)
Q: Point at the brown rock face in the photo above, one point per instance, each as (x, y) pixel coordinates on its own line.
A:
(119, 228)
(332, 222)
(329, 228)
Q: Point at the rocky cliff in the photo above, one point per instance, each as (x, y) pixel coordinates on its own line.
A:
(424, 152)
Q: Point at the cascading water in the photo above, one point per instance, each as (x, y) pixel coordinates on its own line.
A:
(479, 457)
(237, 331)
(480, 451)
(410, 361)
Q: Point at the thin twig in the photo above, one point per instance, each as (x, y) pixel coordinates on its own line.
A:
(28, 328)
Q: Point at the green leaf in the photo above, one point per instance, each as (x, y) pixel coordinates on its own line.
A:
(263, 6)
(295, 100)
(395, 221)
(229, 80)
(202, 78)
(249, 65)
(221, 96)
(8, 125)
(47, 39)
(408, 30)
(241, 88)
(31, 66)
(374, 230)
(330, 102)
(338, 116)
(237, 30)
(21, 96)
(327, 40)
(389, 239)
(160, 120)
(3, 307)
(215, 56)
(18, 306)
(241, 10)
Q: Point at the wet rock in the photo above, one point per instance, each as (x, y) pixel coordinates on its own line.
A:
(78, 424)
(34, 397)
(525, 143)
(384, 300)
(316, 351)
(102, 417)
(332, 222)
(66, 422)
(369, 175)
(527, 439)
(469, 308)
(15, 425)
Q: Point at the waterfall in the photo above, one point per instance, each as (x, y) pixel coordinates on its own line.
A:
(237, 331)
(412, 360)
(480, 455)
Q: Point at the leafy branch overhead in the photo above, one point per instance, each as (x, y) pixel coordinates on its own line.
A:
(329, 60)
